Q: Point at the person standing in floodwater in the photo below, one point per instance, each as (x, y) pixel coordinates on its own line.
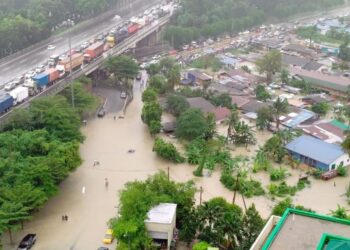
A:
(106, 183)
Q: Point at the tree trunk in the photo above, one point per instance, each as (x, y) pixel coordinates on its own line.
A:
(10, 235)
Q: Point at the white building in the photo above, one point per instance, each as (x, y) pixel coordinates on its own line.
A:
(161, 222)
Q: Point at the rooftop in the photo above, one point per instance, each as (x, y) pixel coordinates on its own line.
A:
(201, 103)
(304, 230)
(162, 213)
(294, 119)
(200, 75)
(221, 113)
(239, 101)
(315, 149)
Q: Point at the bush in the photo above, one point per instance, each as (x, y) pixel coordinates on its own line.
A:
(317, 173)
(277, 174)
(280, 207)
(250, 187)
(202, 245)
(342, 171)
(154, 127)
(167, 151)
(198, 172)
(302, 184)
(149, 95)
(281, 189)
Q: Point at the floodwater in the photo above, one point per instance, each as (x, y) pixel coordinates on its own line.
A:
(89, 205)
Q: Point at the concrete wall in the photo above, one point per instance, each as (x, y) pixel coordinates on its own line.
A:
(344, 158)
(269, 226)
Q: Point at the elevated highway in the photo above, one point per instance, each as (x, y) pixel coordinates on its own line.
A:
(120, 48)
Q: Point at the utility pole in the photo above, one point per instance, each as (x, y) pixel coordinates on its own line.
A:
(200, 195)
(70, 68)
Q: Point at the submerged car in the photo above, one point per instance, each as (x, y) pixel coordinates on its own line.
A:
(101, 113)
(27, 242)
(108, 236)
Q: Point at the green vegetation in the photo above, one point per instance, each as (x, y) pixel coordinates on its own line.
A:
(277, 174)
(280, 207)
(261, 93)
(206, 18)
(264, 118)
(206, 62)
(149, 95)
(340, 212)
(151, 115)
(279, 107)
(311, 33)
(202, 245)
(167, 151)
(242, 134)
(342, 170)
(39, 146)
(270, 63)
(344, 51)
(158, 83)
(321, 108)
(261, 161)
(223, 100)
(176, 104)
(191, 124)
(25, 22)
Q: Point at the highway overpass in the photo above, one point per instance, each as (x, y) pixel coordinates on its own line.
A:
(89, 68)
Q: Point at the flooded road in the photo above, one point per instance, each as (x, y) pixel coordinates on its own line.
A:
(89, 205)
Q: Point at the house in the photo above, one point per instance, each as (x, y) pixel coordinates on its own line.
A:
(161, 223)
(242, 76)
(201, 103)
(302, 230)
(253, 106)
(297, 117)
(222, 88)
(317, 153)
(221, 113)
(337, 85)
(239, 101)
(228, 61)
(316, 98)
(332, 131)
(299, 49)
(294, 60)
(199, 77)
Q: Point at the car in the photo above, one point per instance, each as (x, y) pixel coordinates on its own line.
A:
(101, 113)
(103, 248)
(123, 95)
(30, 74)
(19, 79)
(27, 242)
(139, 76)
(40, 69)
(108, 236)
(84, 45)
(51, 47)
(10, 86)
(62, 57)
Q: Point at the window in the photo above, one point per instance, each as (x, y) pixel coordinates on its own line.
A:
(333, 166)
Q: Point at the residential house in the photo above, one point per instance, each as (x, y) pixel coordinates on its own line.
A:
(298, 117)
(253, 106)
(199, 77)
(316, 98)
(227, 61)
(302, 230)
(202, 104)
(317, 153)
(301, 62)
(239, 101)
(337, 85)
(161, 223)
(222, 88)
(301, 50)
(331, 131)
(243, 77)
(221, 114)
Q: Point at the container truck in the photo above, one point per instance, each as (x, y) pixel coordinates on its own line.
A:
(6, 102)
(122, 34)
(41, 81)
(76, 60)
(53, 60)
(94, 51)
(19, 94)
(133, 28)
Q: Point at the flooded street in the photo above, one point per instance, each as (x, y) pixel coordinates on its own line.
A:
(89, 204)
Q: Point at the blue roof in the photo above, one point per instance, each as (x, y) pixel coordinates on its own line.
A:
(315, 149)
(301, 117)
(228, 60)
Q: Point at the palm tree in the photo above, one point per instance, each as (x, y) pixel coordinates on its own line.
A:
(279, 107)
(243, 134)
(340, 212)
(231, 121)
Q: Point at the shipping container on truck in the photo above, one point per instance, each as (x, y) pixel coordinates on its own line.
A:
(54, 75)
(133, 28)
(77, 61)
(6, 102)
(94, 51)
(19, 94)
(122, 34)
(41, 80)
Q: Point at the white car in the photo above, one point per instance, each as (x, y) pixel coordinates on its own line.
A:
(40, 69)
(10, 86)
(30, 74)
(123, 95)
(51, 47)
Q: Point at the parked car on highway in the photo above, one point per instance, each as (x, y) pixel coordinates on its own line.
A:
(101, 113)
(19, 79)
(27, 242)
(51, 47)
(108, 236)
(123, 95)
(10, 86)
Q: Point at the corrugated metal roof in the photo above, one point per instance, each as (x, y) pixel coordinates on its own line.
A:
(315, 149)
(340, 125)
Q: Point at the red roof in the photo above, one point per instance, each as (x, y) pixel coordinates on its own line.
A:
(221, 113)
(239, 101)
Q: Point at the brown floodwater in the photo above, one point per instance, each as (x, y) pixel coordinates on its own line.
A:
(89, 205)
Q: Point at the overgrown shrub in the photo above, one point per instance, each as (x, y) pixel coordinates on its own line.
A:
(167, 151)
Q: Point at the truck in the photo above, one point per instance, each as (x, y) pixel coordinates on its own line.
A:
(53, 60)
(19, 94)
(40, 81)
(133, 28)
(76, 59)
(94, 51)
(110, 41)
(6, 102)
(122, 34)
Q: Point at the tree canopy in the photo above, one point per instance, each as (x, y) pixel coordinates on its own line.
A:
(270, 63)
(191, 124)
